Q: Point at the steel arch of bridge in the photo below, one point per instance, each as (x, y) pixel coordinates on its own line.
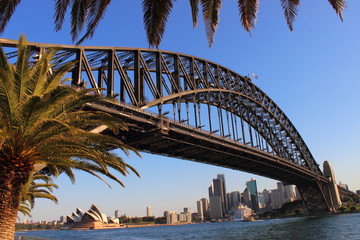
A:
(163, 82)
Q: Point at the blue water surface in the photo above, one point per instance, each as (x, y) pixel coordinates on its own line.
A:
(336, 227)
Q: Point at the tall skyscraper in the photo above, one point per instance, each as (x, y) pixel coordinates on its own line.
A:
(247, 198)
(200, 210)
(267, 199)
(148, 211)
(234, 199)
(217, 196)
(289, 192)
(252, 188)
(205, 206)
(225, 200)
(117, 215)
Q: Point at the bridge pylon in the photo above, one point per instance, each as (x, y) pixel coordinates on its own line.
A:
(332, 192)
(321, 196)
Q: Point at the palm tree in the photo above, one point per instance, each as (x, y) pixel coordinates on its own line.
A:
(41, 123)
(35, 189)
(156, 13)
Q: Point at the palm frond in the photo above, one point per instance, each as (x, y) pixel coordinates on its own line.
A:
(96, 11)
(211, 10)
(339, 6)
(290, 11)
(25, 209)
(194, 4)
(79, 10)
(248, 12)
(156, 14)
(7, 8)
(60, 11)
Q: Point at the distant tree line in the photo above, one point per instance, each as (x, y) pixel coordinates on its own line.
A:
(35, 226)
(142, 220)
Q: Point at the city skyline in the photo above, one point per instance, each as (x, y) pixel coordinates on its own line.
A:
(283, 194)
(310, 73)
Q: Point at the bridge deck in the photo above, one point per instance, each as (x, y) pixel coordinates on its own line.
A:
(159, 135)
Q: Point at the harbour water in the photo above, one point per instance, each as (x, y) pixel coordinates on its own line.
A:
(337, 227)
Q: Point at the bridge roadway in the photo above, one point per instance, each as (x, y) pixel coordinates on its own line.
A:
(156, 134)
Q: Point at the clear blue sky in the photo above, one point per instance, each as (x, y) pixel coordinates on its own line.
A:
(312, 73)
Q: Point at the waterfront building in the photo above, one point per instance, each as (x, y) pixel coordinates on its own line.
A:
(92, 219)
(171, 217)
(149, 211)
(242, 212)
(185, 217)
(252, 188)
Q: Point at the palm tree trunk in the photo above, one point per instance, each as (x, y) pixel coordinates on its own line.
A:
(12, 180)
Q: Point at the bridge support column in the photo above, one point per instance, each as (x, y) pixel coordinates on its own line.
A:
(331, 190)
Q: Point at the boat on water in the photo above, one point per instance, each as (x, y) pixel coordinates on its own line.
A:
(248, 219)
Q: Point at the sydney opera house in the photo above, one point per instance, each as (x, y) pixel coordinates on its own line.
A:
(92, 219)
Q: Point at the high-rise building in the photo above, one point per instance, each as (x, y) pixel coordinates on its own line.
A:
(187, 210)
(252, 188)
(200, 210)
(280, 187)
(205, 206)
(246, 198)
(216, 207)
(289, 193)
(224, 198)
(217, 194)
(267, 200)
(277, 198)
(261, 201)
(234, 199)
(148, 211)
(117, 213)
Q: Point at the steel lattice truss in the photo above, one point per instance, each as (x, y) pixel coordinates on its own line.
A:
(192, 91)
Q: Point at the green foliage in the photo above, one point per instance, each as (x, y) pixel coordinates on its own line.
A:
(35, 189)
(288, 209)
(43, 124)
(35, 226)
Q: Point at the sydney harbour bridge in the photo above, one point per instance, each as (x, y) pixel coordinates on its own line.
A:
(182, 106)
